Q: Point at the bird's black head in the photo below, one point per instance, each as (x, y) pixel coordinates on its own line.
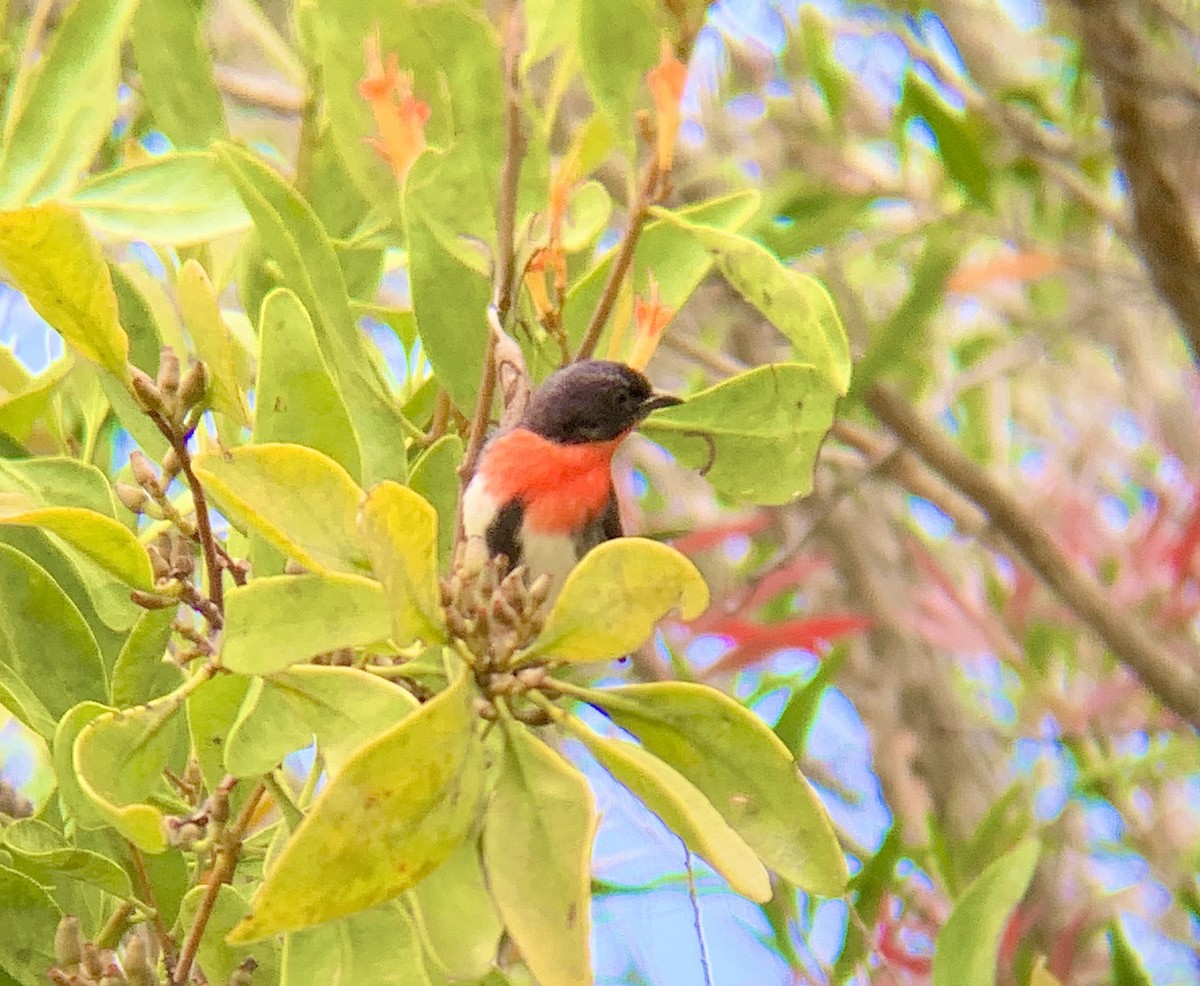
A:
(592, 401)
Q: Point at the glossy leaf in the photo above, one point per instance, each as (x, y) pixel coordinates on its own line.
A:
(400, 806)
(273, 622)
(435, 477)
(456, 916)
(618, 44)
(58, 482)
(43, 848)
(296, 397)
(343, 707)
(797, 304)
(44, 640)
(107, 542)
(213, 340)
(537, 851)
(119, 758)
(217, 960)
(174, 200)
(52, 259)
(212, 710)
(969, 942)
(302, 502)
(755, 437)
(28, 916)
(399, 535)
(380, 947)
(613, 598)
(176, 72)
(70, 100)
(958, 146)
(76, 806)
(742, 768)
(682, 808)
(666, 250)
(143, 671)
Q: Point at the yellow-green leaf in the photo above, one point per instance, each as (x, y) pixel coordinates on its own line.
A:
(379, 947)
(613, 598)
(119, 758)
(213, 340)
(797, 304)
(400, 806)
(343, 707)
(683, 809)
(217, 960)
(399, 534)
(742, 768)
(52, 259)
(537, 851)
(107, 542)
(435, 477)
(302, 502)
(966, 947)
(273, 622)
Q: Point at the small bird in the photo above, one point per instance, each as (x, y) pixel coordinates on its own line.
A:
(543, 493)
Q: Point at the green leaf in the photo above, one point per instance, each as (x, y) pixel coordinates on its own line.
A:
(683, 809)
(44, 847)
(822, 64)
(29, 918)
(343, 707)
(52, 259)
(666, 250)
(400, 806)
(217, 960)
(800, 712)
(435, 477)
(302, 502)
(77, 807)
(119, 757)
(296, 398)
(70, 99)
(212, 710)
(613, 598)
(293, 235)
(274, 622)
(176, 71)
(19, 699)
(378, 947)
(214, 342)
(537, 851)
(457, 919)
(958, 143)
(142, 671)
(174, 200)
(755, 437)
(967, 946)
(618, 44)
(549, 24)
(869, 885)
(399, 532)
(1127, 967)
(795, 303)
(44, 640)
(742, 768)
(107, 542)
(58, 482)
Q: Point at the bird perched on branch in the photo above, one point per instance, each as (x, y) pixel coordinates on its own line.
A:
(543, 494)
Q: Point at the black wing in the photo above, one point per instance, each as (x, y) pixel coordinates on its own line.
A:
(504, 532)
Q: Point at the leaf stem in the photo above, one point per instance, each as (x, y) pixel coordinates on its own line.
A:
(221, 872)
(115, 926)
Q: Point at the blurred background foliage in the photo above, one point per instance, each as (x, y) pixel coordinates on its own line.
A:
(1018, 266)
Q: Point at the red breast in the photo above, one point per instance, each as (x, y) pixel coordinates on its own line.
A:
(563, 486)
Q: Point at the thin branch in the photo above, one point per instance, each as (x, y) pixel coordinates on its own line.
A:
(644, 198)
(114, 928)
(1171, 681)
(165, 942)
(222, 872)
(1169, 246)
(252, 89)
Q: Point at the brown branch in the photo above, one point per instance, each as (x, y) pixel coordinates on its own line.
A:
(1118, 57)
(222, 872)
(165, 942)
(1172, 682)
(257, 90)
(644, 198)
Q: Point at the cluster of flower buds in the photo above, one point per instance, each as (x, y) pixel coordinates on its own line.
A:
(82, 963)
(343, 657)
(149, 496)
(494, 614)
(173, 561)
(13, 805)
(174, 396)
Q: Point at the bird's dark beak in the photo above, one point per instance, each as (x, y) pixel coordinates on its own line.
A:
(656, 401)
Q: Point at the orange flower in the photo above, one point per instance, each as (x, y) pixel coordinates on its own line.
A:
(400, 117)
(651, 317)
(667, 81)
(535, 281)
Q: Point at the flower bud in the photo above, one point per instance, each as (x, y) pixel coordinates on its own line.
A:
(68, 943)
(92, 963)
(151, 600)
(168, 372)
(194, 388)
(143, 473)
(133, 498)
(146, 391)
(170, 466)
